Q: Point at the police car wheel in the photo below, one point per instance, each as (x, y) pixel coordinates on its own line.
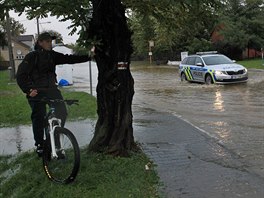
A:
(183, 77)
(208, 79)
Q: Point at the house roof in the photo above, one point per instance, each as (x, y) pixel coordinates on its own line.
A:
(20, 43)
(25, 38)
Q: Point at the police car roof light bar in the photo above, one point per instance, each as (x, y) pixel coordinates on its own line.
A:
(209, 52)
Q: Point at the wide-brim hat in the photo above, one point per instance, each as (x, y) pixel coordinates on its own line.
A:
(45, 36)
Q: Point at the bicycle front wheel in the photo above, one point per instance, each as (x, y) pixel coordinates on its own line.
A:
(64, 167)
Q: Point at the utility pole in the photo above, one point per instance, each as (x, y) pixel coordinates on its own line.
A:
(10, 47)
(151, 44)
(38, 25)
(91, 53)
(262, 56)
(91, 81)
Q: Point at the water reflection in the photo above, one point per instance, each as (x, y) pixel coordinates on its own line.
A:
(224, 134)
(219, 102)
(222, 129)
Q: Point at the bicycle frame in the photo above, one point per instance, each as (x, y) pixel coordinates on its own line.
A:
(51, 132)
(52, 138)
(51, 119)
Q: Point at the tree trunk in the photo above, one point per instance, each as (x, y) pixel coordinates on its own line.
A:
(115, 89)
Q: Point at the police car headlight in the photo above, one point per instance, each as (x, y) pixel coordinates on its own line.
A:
(245, 71)
(219, 73)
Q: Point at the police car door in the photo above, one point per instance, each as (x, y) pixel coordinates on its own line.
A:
(198, 70)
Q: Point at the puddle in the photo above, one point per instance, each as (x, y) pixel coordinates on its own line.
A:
(20, 138)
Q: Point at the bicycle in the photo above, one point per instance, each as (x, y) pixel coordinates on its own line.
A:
(61, 153)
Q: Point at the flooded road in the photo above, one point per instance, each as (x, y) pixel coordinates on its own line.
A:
(233, 114)
(81, 77)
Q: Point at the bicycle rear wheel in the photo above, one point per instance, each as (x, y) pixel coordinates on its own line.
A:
(65, 167)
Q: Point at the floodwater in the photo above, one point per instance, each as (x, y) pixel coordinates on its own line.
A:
(81, 77)
(233, 114)
(20, 138)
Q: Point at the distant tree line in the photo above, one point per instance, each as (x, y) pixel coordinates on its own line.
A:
(228, 26)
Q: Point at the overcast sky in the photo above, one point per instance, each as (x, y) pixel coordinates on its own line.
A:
(61, 27)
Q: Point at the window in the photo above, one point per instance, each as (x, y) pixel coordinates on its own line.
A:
(198, 60)
(217, 60)
(20, 57)
(191, 61)
(185, 61)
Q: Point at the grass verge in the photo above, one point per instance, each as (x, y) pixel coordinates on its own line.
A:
(99, 176)
(252, 64)
(15, 109)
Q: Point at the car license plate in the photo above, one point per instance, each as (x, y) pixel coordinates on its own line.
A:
(236, 77)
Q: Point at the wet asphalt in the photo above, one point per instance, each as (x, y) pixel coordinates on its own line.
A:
(207, 141)
(192, 164)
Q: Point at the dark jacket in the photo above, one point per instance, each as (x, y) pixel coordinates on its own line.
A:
(38, 68)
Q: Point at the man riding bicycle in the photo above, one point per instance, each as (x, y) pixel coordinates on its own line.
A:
(37, 78)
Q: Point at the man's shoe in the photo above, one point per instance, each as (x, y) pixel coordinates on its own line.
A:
(39, 150)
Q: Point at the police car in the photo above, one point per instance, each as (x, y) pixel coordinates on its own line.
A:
(211, 67)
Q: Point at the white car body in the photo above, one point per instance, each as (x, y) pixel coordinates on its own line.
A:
(201, 68)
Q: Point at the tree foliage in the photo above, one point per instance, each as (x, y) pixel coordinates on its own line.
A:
(16, 27)
(188, 26)
(176, 26)
(77, 49)
(242, 26)
(59, 38)
(173, 25)
(79, 12)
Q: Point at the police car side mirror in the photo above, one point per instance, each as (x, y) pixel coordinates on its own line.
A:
(234, 61)
(199, 64)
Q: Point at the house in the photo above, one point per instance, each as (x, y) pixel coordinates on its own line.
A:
(29, 40)
(216, 37)
(22, 45)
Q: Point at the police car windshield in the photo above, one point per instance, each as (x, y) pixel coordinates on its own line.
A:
(217, 60)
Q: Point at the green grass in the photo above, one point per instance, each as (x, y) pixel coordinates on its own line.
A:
(252, 64)
(86, 108)
(99, 176)
(15, 109)
(3, 164)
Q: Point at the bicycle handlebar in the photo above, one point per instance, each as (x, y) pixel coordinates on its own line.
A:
(47, 100)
